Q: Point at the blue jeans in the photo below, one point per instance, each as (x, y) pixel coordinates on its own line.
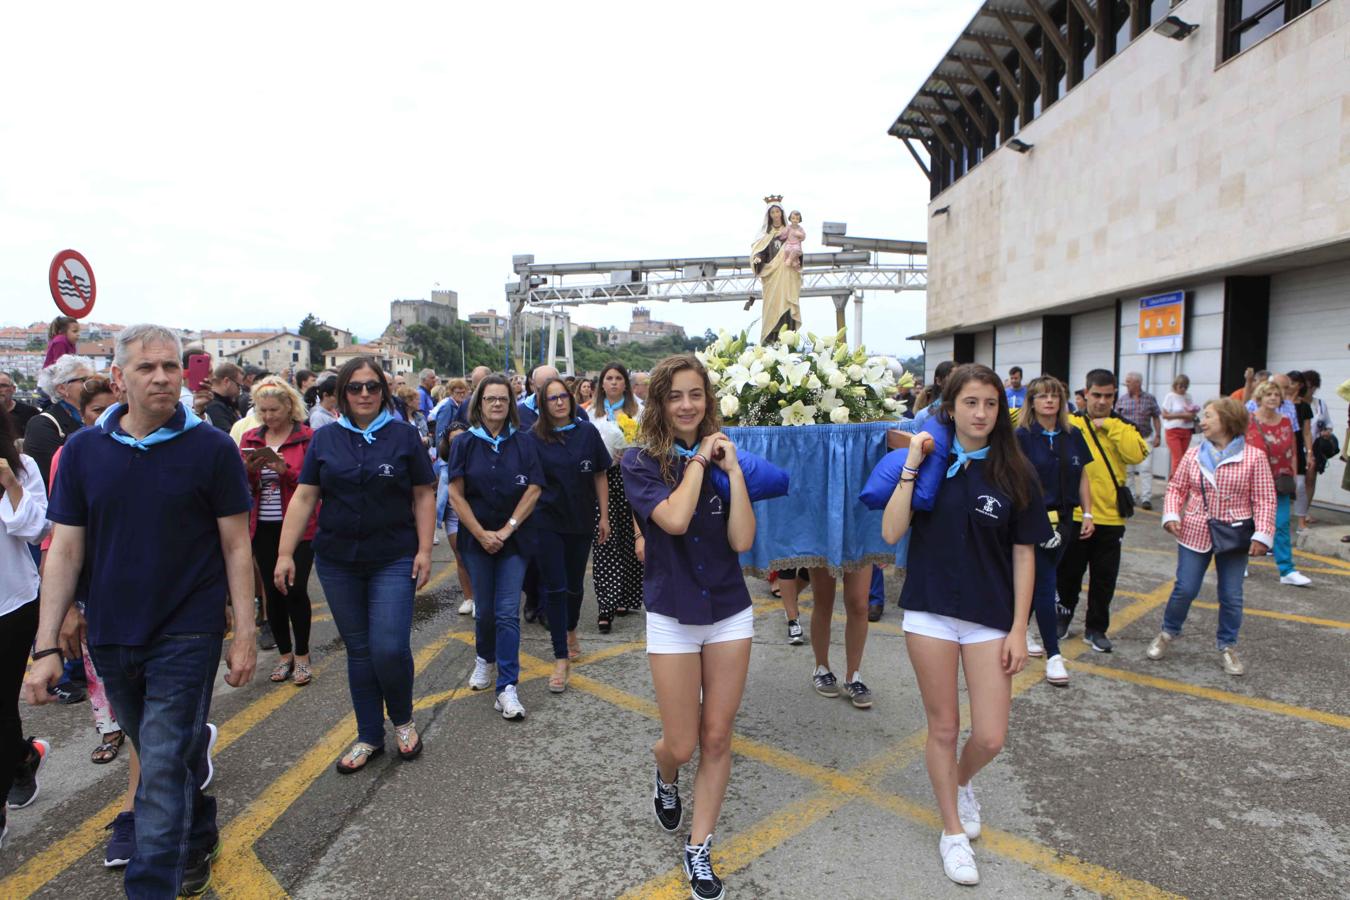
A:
(443, 507)
(876, 590)
(372, 606)
(561, 559)
(1191, 568)
(1043, 594)
(1284, 548)
(497, 579)
(162, 694)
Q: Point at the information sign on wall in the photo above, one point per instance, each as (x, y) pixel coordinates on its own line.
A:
(1162, 320)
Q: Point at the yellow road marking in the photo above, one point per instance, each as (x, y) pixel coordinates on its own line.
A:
(1180, 687)
(1286, 617)
(1340, 567)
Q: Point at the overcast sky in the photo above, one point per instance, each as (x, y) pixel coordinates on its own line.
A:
(242, 165)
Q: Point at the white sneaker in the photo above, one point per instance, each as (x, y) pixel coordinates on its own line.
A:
(1296, 578)
(968, 808)
(466, 608)
(1033, 647)
(482, 675)
(958, 861)
(508, 704)
(435, 540)
(1055, 672)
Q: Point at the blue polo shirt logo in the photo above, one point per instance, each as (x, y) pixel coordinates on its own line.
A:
(586, 465)
(714, 505)
(522, 480)
(386, 470)
(989, 506)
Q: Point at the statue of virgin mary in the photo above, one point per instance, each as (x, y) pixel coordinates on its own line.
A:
(782, 284)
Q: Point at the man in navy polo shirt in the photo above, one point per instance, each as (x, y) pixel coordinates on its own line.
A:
(528, 408)
(153, 505)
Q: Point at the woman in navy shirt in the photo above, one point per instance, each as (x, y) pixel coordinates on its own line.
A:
(574, 461)
(372, 549)
(967, 592)
(699, 616)
(1059, 454)
(495, 481)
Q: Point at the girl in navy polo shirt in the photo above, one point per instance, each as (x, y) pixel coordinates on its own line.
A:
(574, 460)
(699, 616)
(372, 549)
(1059, 453)
(495, 481)
(967, 593)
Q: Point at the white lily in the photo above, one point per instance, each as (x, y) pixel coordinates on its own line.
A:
(794, 372)
(829, 401)
(737, 377)
(813, 383)
(798, 414)
(714, 376)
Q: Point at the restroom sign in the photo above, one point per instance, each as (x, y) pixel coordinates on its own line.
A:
(1162, 320)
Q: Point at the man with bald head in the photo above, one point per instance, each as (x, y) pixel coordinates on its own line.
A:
(475, 377)
(528, 408)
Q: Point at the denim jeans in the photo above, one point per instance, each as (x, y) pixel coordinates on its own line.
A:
(561, 559)
(496, 579)
(162, 694)
(372, 605)
(1284, 547)
(1043, 594)
(876, 590)
(1191, 568)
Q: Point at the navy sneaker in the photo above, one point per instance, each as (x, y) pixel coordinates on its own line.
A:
(197, 872)
(68, 692)
(122, 844)
(825, 682)
(1097, 641)
(703, 881)
(24, 790)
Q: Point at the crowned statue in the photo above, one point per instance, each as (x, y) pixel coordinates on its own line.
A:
(776, 258)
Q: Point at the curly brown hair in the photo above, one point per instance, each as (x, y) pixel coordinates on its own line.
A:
(654, 431)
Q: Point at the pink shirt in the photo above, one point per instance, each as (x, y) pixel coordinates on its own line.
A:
(57, 348)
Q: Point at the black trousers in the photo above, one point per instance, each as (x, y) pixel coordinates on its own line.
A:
(288, 613)
(1101, 554)
(16, 640)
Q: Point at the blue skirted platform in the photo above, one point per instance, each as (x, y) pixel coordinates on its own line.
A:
(820, 523)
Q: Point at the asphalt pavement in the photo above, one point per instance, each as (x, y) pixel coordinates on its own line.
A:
(1140, 779)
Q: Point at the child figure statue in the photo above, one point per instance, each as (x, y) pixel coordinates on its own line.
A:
(792, 236)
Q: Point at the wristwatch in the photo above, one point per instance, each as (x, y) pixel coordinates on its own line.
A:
(513, 523)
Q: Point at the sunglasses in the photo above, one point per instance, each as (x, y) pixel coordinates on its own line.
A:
(355, 388)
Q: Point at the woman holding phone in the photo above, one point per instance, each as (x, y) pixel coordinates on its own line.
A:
(699, 616)
(372, 549)
(274, 454)
(967, 593)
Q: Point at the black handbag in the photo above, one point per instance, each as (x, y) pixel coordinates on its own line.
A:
(1227, 536)
(1285, 485)
(1124, 498)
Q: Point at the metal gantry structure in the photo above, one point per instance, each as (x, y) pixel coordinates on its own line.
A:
(861, 264)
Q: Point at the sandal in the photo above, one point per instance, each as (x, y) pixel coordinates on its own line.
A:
(573, 646)
(360, 754)
(283, 672)
(408, 737)
(303, 674)
(557, 682)
(604, 623)
(107, 751)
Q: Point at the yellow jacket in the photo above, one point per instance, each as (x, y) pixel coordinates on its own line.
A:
(1124, 447)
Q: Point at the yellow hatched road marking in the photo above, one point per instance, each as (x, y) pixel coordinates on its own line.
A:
(1285, 617)
(1339, 567)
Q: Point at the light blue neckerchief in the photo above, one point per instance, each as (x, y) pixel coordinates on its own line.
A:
(480, 432)
(531, 403)
(1051, 435)
(112, 417)
(612, 408)
(683, 452)
(962, 456)
(568, 427)
(1209, 456)
(72, 409)
(383, 419)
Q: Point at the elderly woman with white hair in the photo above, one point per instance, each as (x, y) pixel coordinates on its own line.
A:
(48, 430)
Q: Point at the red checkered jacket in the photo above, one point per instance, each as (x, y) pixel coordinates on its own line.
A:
(1240, 488)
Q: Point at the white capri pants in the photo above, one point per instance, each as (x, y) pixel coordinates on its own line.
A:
(666, 634)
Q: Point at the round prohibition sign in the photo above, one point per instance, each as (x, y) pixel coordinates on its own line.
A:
(71, 280)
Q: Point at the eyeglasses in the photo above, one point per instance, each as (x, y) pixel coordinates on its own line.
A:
(95, 385)
(559, 398)
(355, 388)
(496, 400)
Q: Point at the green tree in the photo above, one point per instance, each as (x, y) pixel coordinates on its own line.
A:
(451, 347)
(320, 341)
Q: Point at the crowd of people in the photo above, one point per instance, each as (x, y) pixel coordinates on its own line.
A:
(232, 491)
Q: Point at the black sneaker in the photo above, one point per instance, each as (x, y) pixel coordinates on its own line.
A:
(1063, 616)
(1099, 642)
(1147, 504)
(68, 692)
(826, 684)
(266, 640)
(122, 844)
(858, 694)
(666, 802)
(795, 632)
(197, 872)
(874, 611)
(703, 881)
(25, 788)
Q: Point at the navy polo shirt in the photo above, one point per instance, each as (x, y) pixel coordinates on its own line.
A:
(495, 479)
(694, 577)
(568, 502)
(960, 553)
(528, 414)
(1044, 456)
(152, 549)
(367, 491)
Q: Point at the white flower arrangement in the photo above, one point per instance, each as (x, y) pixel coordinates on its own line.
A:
(801, 380)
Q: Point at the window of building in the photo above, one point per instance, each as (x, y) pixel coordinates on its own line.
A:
(1246, 22)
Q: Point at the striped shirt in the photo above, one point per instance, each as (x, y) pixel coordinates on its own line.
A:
(269, 496)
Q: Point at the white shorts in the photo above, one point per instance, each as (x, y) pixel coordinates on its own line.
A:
(666, 634)
(947, 628)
